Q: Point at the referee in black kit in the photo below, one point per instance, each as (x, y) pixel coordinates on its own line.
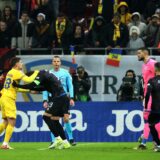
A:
(153, 90)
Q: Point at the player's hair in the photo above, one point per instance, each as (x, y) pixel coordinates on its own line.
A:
(145, 49)
(157, 66)
(57, 57)
(29, 73)
(24, 12)
(14, 60)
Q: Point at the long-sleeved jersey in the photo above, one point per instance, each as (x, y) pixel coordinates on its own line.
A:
(148, 72)
(153, 90)
(45, 81)
(15, 75)
(65, 79)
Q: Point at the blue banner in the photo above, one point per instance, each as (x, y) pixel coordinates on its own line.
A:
(91, 122)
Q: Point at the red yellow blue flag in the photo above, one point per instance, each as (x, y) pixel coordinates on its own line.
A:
(114, 57)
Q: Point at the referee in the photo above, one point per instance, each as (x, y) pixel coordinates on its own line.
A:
(153, 90)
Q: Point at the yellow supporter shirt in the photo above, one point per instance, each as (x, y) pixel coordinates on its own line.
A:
(15, 75)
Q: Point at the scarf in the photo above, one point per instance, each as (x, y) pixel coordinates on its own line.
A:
(41, 29)
(60, 27)
(117, 33)
(115, 6)
(100, 6)
(126, 18)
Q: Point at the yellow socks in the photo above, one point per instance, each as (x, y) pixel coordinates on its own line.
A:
(8, 134)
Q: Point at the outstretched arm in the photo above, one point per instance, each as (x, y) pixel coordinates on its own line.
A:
(25, 86)
(30, 86)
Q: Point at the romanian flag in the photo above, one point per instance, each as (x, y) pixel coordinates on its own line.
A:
(114, 57)
(74, 65)
(72, 54)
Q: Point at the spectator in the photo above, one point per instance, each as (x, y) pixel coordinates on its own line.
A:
(136, 21)
(23, 32)
(117, 33)
(5, 37)
(61, 33)
(135, 41)
(157, 40)
(96, 36)
(157, 11)
(130, 89)
(9, 18)
(123, 10)
(150, 8)
(44, 7)
(151, 31)
(103, 7)
(41, 34)
(78, 38)
(82, 85)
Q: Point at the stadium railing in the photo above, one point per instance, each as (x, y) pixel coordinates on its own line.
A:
(83, 51)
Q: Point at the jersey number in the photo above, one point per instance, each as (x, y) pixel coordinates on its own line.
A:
(7, 83)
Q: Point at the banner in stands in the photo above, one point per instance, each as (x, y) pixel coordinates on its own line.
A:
(91, 122)
(105, 79)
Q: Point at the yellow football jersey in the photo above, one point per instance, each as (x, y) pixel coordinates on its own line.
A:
(15, 75)
(8, 89)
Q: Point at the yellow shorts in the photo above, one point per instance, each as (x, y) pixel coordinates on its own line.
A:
(8, 107)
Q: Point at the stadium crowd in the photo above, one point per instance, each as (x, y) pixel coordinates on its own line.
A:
(82, 23)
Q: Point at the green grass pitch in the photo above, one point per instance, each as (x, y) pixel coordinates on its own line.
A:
(83, 151)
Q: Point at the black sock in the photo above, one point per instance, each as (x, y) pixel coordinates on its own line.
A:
(50, 125)
(154, 134)
(59, 129)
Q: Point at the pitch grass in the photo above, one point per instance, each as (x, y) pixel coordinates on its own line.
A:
(83, 151)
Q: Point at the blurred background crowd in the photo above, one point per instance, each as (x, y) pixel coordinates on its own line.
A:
(130, 24)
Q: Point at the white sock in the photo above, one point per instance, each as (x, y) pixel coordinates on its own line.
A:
(5, 143)
(65, 141)
(58, 137)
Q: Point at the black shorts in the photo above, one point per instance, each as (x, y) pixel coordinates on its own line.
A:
(59, 106)
(153, 118)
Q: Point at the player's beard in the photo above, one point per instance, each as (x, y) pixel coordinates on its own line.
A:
(141, 59)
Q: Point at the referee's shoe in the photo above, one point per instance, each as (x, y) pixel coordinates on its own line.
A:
(72, 142)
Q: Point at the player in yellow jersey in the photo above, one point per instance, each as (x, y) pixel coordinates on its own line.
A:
(8, 99)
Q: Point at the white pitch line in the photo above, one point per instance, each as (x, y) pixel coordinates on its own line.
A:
(42, 149)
